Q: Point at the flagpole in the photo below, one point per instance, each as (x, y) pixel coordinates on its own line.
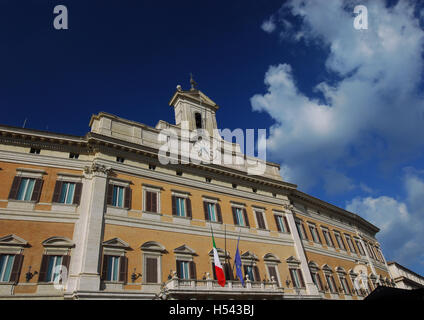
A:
(238, 240)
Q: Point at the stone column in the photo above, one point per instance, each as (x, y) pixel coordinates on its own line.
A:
(311, 288)
(84, 270)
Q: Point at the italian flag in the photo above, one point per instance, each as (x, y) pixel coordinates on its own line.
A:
(218, 267)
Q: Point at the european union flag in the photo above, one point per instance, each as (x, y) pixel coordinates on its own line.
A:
(237, 263)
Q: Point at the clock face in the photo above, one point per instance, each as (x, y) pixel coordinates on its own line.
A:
(204, 150)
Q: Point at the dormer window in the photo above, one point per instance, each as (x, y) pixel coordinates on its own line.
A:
(198, 119)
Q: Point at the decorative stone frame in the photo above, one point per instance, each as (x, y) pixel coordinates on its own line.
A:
(157, 190)
(262, 211)
(67, 177)
(314, 268)
(26, 173)
(13, 245)
(58, 246)
(185, 253)
(271, 260)
(122, 211)
(114, 247)
(152, 249)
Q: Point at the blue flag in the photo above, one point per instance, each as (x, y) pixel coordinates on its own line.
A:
(237, 263)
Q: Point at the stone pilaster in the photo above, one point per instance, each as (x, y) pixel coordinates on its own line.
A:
(311, 288)
(84, 270)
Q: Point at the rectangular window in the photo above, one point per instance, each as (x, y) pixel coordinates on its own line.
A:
(67, 193)
(345, 286)
(350, 243)
(280, 223)
(6, 266)
(330, 282)
(317, 280)
(301, 230)
(240, 218)
(112, 273)
(260, 219)
(151, 272)
(297, 278)
(25, 189)
(184, 269)
(181, 212)
(339, 240)
(314, 233)
(118, 196)
(212, 212)
(52, 267)
(327, 237)
(272, 270)
(151, 201)
(360, 248)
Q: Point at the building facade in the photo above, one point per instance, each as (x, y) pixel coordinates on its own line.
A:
(405, 278)
(102, 217)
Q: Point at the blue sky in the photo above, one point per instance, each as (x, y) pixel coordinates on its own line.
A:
(344, 107)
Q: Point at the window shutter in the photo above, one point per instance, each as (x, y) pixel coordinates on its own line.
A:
(257, 275)
(123, 261)
(319, 238)
(228, 271)
(104, 267)
(178, 269)
(43, 268)
(174, 206)
(277, 224)
(246, 218)
(153, 199)
(13, 194)
(299, 272)
(128, 195)
(234, 215)
(292, 277)
(319, 281)
(148, 201)
(192, 267)
(286, 224)
(152, 270)
(65, 262)
(218, 212)
(109, 197)
(205, 208)
(304, 230)
(188, 204)
(57, 190)
(37, 190)
(273, 273)
(78, 191)
(16, 269)
(213, 271)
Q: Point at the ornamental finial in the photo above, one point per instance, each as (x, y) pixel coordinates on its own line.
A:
(192, 82)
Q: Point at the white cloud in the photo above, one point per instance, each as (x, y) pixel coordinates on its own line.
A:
(268, 25)
(401, 221)
(374, 112)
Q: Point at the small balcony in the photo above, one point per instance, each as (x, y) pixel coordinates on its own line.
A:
(176, 288)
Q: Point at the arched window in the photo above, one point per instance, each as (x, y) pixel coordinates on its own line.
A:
(198, 119)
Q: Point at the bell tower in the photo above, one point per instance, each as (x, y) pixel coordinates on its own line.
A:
(194, 107)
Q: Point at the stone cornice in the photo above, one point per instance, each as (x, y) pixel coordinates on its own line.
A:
(362, 223)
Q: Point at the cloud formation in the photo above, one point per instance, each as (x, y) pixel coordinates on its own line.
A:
(374, 111)
(401, 222)
(268, 25)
